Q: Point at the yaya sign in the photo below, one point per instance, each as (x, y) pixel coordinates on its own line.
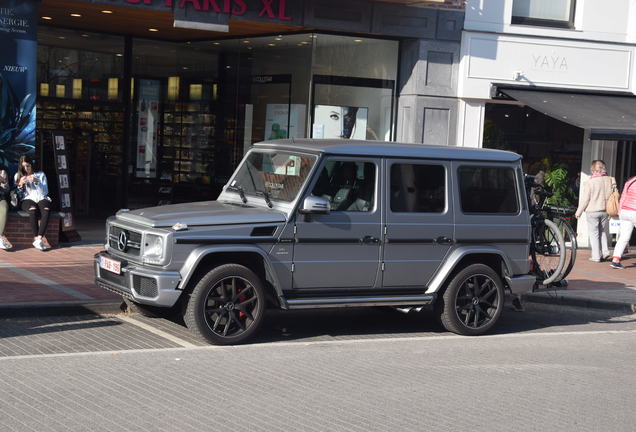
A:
(273, 9)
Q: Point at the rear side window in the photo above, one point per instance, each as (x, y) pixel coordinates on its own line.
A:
(418, 188)
(488, 190)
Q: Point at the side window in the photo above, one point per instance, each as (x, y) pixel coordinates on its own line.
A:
(347, 185)
(418, 188)
(488, 190)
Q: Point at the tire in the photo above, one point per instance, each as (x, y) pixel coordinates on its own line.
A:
(141, 309)
(226, 306)
(464, 308)
(569, 237)
(548, 252)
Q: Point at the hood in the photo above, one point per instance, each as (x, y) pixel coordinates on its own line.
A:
(200, 214)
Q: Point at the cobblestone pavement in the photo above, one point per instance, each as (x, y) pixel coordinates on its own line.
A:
(542, 372)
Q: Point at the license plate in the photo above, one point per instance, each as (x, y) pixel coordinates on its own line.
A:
(110, 265)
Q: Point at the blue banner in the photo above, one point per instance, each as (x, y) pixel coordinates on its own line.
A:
(18, 68)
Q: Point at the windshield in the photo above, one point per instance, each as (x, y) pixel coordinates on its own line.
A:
(274, 175)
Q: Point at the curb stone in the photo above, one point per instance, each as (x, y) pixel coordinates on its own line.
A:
(97, 307)
(582, 302)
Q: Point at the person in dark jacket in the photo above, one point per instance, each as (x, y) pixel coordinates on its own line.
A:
(4, 208)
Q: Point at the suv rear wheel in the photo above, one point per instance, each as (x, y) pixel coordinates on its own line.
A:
(473, 301)
(227, 305)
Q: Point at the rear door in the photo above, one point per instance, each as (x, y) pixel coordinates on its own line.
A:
(419, 221)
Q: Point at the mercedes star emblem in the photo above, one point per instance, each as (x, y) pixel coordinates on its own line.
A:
(122, 242)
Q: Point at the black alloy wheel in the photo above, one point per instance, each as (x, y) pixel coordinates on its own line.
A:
(473, 301)
(227, 305)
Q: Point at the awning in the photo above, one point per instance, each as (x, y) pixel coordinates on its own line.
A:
(608, 116)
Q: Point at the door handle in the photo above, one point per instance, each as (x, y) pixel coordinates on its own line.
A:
(444, 240)
(370, 240)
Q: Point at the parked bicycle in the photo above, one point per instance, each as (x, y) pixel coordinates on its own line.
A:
(553, 241)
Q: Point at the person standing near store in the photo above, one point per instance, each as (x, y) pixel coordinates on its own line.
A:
(33, 190)
(4, 208)
(627, 215)
(593, 201)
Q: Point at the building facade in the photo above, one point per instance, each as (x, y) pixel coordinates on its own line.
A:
(156, 101)
(552, 80)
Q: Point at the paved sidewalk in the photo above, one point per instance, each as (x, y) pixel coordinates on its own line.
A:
(59, 276)
(595, 285)
(62, 277)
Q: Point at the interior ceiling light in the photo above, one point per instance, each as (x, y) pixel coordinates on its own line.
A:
(153, 29)
(107, 11)
(246, 42)
(119, 55)
(76, 15)
(358, 40)
(61, 37)
(216, 43)
(271, 44)
(48, 18)
(279, 38)
(84, 35)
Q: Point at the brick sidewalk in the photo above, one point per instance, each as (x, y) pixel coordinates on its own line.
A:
(62, 274)
(65, 274)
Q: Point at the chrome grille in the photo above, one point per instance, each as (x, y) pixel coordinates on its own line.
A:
(145, 286)
(133, 246)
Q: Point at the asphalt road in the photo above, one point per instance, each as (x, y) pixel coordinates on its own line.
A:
(544, 369)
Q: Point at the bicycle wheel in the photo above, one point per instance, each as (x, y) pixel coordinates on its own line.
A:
(569, 237)
(548, 252)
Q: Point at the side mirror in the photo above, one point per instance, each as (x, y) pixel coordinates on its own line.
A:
(315, 205)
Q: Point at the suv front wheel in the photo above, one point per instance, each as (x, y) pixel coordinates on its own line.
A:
(473, 301)
(227, 305)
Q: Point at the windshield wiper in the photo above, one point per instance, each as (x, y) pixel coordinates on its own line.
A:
(267, 197)
(240, 191)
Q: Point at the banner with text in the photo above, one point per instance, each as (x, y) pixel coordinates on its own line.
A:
(18, 62)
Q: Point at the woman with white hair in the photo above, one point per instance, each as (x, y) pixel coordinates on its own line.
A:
(593, 201)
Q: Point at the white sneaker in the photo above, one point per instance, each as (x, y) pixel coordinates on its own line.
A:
(39, 244)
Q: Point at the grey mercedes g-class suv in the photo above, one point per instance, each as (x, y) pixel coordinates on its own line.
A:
(332, 223)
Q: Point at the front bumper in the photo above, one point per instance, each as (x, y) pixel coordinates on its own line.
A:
(140, 284)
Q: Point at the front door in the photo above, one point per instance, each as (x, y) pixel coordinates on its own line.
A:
(341, 250)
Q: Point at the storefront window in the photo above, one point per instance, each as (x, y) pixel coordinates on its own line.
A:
(354, 86)
(80, 98)
(546, 144)
(551, 13)
(79, 65)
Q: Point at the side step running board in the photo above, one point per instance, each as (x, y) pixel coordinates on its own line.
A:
(313, 303)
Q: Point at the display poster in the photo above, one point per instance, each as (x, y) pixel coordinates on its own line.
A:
(18, 57)
(147, 127)
(61, 153)
(284, 121)
(347, 122)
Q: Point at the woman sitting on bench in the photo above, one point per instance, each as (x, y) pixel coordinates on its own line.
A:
(33, 190)
(4, 208)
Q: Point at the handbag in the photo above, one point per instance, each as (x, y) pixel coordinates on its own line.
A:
(612, 207)
(14, 199)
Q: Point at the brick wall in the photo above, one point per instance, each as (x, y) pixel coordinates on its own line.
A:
(18, 230)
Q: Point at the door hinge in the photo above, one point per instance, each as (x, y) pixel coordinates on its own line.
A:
(293, 267)
(295, 229)
(385, 230)
(382, 266)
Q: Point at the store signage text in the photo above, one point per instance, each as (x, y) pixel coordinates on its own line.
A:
(551, 62)
(19, 69)
(274, 9)
(10, 23)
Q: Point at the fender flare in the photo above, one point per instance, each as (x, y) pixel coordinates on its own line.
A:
(196, 256)
(451, 261)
